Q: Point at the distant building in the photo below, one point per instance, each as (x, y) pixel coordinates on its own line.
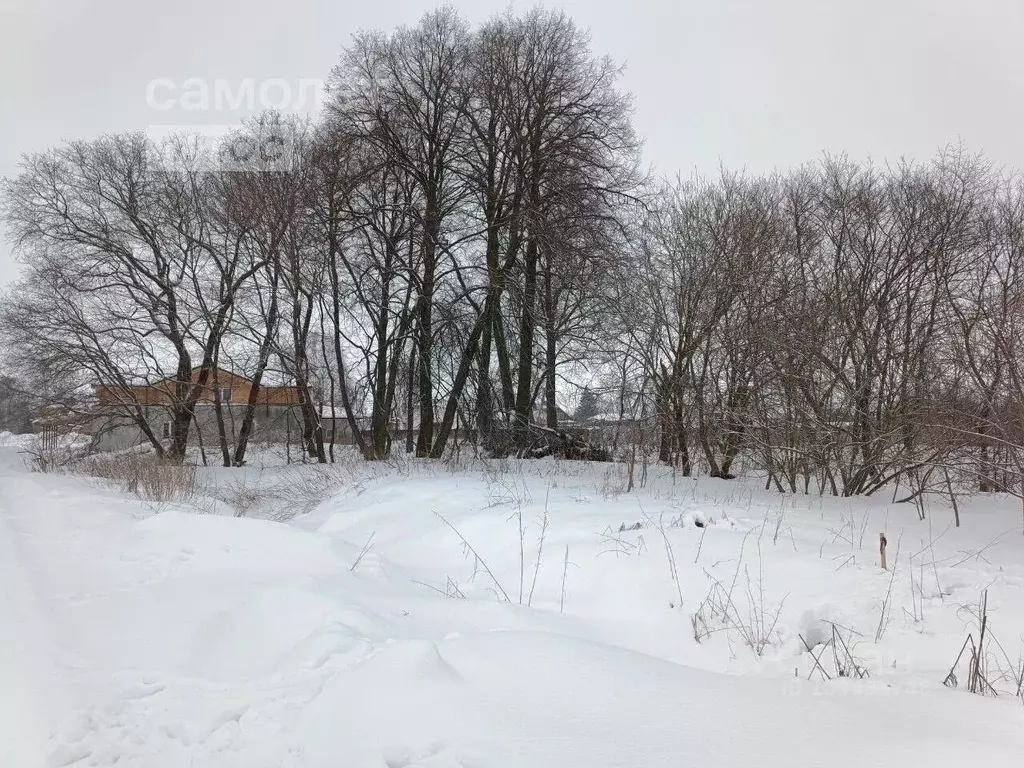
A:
(275, 416)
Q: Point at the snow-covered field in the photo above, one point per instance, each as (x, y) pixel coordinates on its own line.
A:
(497, 614)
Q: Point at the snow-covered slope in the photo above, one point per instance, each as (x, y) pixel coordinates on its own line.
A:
(142, 637)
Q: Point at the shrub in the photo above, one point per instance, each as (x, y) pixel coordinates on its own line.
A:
(145, 475)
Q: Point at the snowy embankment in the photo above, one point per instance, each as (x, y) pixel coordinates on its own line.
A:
(388, 626)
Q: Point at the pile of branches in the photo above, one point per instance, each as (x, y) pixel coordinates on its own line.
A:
(545, 442)
(540, 442)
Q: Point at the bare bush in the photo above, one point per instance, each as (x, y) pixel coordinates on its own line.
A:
(147, 476)
(989, 668)
(754, 620)
(50, 451)
(244, 498)
(302, 488)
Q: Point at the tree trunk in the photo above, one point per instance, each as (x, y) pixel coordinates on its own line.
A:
(527, 327)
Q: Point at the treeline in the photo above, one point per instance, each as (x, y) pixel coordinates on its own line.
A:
(466, 234)
(844, 327)
(427, 252)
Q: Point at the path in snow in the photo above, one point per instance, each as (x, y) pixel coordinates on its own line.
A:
(32, 699)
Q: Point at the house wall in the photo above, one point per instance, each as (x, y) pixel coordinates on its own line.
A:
(339, 426)
(273, 423)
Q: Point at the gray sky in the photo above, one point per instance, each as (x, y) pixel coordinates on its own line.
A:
(755, 83)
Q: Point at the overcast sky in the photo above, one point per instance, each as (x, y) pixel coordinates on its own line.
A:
(755, 83)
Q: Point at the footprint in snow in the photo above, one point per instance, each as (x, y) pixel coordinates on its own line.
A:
(435, 756)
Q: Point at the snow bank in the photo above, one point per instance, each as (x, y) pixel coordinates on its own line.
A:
(372, 632)
(10, 440)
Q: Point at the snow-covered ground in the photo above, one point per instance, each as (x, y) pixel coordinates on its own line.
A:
(496, 614)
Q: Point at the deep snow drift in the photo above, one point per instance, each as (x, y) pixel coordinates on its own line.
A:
(388, 625)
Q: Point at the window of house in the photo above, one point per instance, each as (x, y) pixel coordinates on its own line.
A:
(225, 394)
(168, 426)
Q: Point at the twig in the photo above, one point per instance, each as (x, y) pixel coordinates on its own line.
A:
(476, 555)
(565, 572)
(700, 544)
(950, 679)
(363, 551)
(669, 552)
(540, 550)
(522, 553)
(815, 658)
(883, 617)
